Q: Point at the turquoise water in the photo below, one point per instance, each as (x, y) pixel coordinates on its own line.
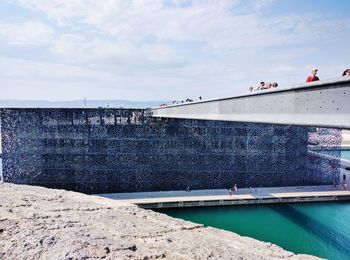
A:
(345, 154)
(321, 229)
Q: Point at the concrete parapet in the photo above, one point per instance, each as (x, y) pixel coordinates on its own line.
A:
(321, 103)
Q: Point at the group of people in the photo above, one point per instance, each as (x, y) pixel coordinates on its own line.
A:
(312, 77)
(263, 86)
(174, 102)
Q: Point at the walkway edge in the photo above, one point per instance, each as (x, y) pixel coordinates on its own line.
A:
(235, 200)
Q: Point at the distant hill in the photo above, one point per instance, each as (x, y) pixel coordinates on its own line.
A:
(80, 103)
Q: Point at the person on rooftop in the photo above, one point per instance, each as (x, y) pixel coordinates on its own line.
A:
(346, 72)
(313, 76)
(260, 87)
(264, 85)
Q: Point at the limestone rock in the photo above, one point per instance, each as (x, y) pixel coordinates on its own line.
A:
(40, 223)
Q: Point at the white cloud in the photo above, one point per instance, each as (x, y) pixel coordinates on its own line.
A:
(28, 33)
(282, 68)
(27, 70)
(209, 22)
(213, 24)
(260, 4)
(156, 47)
(75, 48)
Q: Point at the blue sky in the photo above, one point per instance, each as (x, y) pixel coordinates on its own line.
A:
(166, 49)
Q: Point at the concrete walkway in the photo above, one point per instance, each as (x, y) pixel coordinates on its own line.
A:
(222, 197)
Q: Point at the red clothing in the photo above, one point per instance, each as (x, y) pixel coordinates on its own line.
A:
(312, 78)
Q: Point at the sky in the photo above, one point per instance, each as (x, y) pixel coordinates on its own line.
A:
(166, 49)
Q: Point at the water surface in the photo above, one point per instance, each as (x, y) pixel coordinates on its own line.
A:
(345, 154)
(321, 229)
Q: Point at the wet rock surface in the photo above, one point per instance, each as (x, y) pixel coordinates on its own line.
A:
(40, 223)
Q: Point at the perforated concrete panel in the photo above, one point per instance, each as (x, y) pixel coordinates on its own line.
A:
(126, 150)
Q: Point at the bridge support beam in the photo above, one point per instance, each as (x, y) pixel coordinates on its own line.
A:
(322, 104)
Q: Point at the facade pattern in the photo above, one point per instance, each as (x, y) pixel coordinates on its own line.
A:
(126, 150)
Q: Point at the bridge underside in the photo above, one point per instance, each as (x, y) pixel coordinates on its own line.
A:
(322, 104)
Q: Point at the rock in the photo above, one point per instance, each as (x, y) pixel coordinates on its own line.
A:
(57, 224)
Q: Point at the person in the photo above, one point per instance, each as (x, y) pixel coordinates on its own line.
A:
(270, 85)
(235, 188)
(343, 185)
(346, 72)
(267, 86)
(313, 76)
(261, 86)
(264, 85)
(188, 189)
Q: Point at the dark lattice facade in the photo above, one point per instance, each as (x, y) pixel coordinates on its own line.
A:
(125, 150)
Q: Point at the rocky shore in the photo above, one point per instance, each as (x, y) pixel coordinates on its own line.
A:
(40, 223)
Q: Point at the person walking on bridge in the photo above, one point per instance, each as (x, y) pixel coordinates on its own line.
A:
(313, 76)
(346, 72)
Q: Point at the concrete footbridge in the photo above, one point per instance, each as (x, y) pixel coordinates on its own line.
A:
(323, 103)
